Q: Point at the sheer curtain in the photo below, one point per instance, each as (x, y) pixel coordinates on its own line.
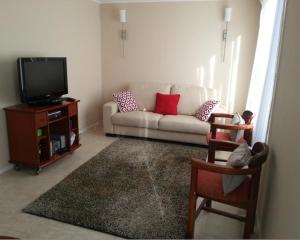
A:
(263, 77)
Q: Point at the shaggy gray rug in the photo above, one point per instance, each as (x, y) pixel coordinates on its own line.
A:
(133, 188)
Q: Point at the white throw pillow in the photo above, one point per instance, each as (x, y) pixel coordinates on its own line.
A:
(239, 158)
(234, 134)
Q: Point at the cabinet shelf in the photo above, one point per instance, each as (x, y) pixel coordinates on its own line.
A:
(41, 138)
(52, 159)
(57, 119)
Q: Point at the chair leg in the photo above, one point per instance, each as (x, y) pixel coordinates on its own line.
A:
(249, 223)
(192, 215)
(253, 209)
(252, 220)
(247, 229)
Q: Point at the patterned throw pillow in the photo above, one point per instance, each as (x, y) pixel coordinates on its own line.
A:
(206, 109)
(125, 101)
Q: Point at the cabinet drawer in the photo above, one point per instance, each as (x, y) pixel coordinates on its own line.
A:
(72, 109)
(41, 120)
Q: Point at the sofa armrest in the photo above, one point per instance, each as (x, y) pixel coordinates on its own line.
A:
(109, 109)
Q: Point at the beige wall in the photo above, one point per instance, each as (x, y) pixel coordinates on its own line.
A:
(281, 206)
(68, 28)
(181, 43)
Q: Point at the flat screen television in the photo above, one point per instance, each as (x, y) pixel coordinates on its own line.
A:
(42, 79)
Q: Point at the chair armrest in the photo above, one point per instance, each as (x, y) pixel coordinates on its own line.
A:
(220, 145)
(219, 115)
(109, 109)
(211, 167)
(225, 115)
(215, 126)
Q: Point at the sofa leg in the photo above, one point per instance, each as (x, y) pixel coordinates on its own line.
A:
(208, 203)
(110, 135)
(249, 223)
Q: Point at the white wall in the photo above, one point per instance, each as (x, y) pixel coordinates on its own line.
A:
(280, 208)
(181, 42)
(69, 28)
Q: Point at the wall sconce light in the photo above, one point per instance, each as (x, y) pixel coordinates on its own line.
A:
(227, 19)
(123, 20)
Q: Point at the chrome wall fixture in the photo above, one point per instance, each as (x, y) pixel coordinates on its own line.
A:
(123, 20)
(227, 20)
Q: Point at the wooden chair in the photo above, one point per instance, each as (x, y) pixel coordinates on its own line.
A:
(247, 127)
(206, 182)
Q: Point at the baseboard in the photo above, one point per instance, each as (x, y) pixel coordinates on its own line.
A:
(6, 168)
(89, 127)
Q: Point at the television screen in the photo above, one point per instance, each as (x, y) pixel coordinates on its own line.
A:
(42, 78)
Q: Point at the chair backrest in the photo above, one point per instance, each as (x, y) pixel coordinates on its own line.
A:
(248, 116)
(260, 153)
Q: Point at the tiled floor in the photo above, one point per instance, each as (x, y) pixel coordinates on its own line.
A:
(17, 189)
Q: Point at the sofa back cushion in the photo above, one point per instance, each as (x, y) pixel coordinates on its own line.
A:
(144, 94)
(192, 97)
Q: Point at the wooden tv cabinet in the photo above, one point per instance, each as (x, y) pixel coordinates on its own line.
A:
(31, 133)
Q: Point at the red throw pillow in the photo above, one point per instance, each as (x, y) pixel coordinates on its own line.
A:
(166, 103)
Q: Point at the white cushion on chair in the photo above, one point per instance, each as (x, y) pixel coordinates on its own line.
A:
(236, 135)
(239, 159)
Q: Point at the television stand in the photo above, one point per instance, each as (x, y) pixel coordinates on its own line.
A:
(37, 140)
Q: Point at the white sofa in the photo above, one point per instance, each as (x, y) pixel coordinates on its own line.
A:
(183, 127)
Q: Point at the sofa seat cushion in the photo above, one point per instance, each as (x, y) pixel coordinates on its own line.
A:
(183, 123)
(137, 119)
